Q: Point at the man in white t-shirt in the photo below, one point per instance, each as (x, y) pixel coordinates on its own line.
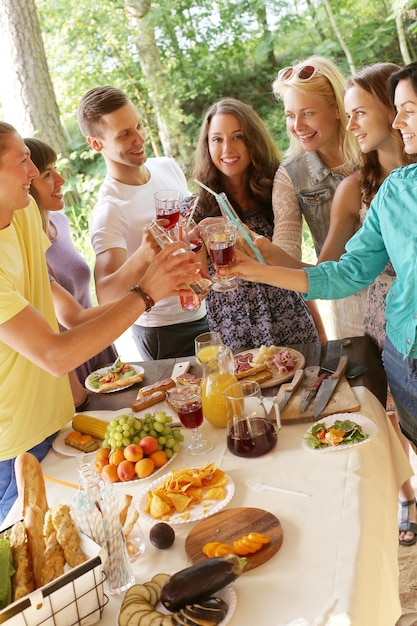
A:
(113, 126)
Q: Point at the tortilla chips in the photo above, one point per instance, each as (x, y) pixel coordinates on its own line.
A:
(185, 488)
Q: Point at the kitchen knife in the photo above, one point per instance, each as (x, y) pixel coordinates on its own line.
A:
(312, 392)
(328, 386)
(289, 390)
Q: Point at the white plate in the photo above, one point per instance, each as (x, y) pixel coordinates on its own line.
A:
(228, 594)
(103, 370)
(60, 446)
(278, 378)
(197, 512)
(368, 427)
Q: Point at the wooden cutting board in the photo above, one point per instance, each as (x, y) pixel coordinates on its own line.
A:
(232, 524)
(343, 399)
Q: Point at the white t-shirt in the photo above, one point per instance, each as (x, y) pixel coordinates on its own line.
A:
(118, 220)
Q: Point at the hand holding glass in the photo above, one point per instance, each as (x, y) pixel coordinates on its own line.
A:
(220, 239)
(187, 402)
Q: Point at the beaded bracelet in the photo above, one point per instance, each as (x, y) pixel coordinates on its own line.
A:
(146, 297)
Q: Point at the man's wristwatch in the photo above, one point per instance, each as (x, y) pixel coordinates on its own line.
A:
(149, 303)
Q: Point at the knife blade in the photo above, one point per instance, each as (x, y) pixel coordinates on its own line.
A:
(328, 386)
(289, 390)
(312, 392)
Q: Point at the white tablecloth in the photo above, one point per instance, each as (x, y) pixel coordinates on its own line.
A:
(338, 561)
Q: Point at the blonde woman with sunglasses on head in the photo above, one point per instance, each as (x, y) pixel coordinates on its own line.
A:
(321, 153)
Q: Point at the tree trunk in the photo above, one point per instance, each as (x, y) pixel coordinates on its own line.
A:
(397, 7)
(26, 90)
(169, 116)
(339, 36)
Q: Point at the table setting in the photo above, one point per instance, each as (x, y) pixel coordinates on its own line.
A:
(330, 517)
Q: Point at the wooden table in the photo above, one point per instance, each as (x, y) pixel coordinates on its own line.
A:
(361, 350)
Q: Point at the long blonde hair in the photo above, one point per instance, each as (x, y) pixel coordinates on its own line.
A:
(328, 83)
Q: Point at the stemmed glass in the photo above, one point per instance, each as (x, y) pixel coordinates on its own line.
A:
(187, 402)
(167, 206)
(220, 239)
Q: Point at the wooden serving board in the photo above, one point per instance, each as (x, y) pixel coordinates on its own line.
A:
(232, 524)
(343, 399)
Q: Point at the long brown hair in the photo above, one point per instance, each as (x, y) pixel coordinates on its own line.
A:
(264, 153)
(42, 156)
(375, 80)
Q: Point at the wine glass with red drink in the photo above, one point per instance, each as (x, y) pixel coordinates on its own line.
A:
(189, 233)
(187, 402)
(167, 206)
(220, 239)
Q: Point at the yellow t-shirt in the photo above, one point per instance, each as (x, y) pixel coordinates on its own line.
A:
(33, 403)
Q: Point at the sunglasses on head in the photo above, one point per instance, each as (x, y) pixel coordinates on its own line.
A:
(305, 72)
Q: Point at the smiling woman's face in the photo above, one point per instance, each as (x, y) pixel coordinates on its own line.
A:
(405, 101)
(311, 119)
(47, 189)
(227, 147)
(369, 121)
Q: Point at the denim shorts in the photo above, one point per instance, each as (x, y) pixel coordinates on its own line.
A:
(402, 379)
(8, 487)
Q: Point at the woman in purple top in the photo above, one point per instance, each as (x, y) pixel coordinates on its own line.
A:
(65, 264)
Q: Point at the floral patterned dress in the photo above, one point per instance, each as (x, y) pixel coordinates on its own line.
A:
(256, 314)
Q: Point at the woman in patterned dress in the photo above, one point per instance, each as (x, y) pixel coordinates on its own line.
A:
(237, 155)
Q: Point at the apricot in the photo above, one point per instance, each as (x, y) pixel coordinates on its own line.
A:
(133, 452)
(159, 458)
(116, 457)
(99, 464)
(102, 453)
(126, 470)
(109, 473)
(144, 467)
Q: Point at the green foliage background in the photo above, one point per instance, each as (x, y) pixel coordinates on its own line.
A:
(210, 49)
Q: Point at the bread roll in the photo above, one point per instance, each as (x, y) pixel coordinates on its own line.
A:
(160, 385)
(147, 401)
(54, 554)
(32, 495)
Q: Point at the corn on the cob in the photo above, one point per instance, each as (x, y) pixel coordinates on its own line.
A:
(89, 425)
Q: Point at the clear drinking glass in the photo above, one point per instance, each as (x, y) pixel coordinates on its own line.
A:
(187, 402)
(220, 239)
(167, 206)
(207, 346)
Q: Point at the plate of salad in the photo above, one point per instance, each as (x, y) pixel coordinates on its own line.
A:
(340, 431)
(114, 377)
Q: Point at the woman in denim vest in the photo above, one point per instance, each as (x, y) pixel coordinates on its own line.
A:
(321, 153)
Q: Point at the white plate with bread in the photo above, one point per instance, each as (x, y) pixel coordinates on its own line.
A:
(102, 381)
(268, 365)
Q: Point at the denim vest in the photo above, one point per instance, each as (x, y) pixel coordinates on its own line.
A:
(314, 184)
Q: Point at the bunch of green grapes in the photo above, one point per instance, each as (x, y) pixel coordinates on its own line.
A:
(126, 429)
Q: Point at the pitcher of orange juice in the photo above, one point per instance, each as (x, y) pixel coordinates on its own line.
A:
(218, 370)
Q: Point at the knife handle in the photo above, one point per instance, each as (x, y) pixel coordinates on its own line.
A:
(298, 376)
(341, 368)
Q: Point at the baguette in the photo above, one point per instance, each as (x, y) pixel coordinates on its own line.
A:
(161, 385)
(120, 383)
(32, 494)
(54, 554)
(23, 581)
(67, 535)
(148, 400)
(259, 377)
(250, 372)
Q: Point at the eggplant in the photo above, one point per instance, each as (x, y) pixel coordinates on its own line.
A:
(213, 609)
(199, 582)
